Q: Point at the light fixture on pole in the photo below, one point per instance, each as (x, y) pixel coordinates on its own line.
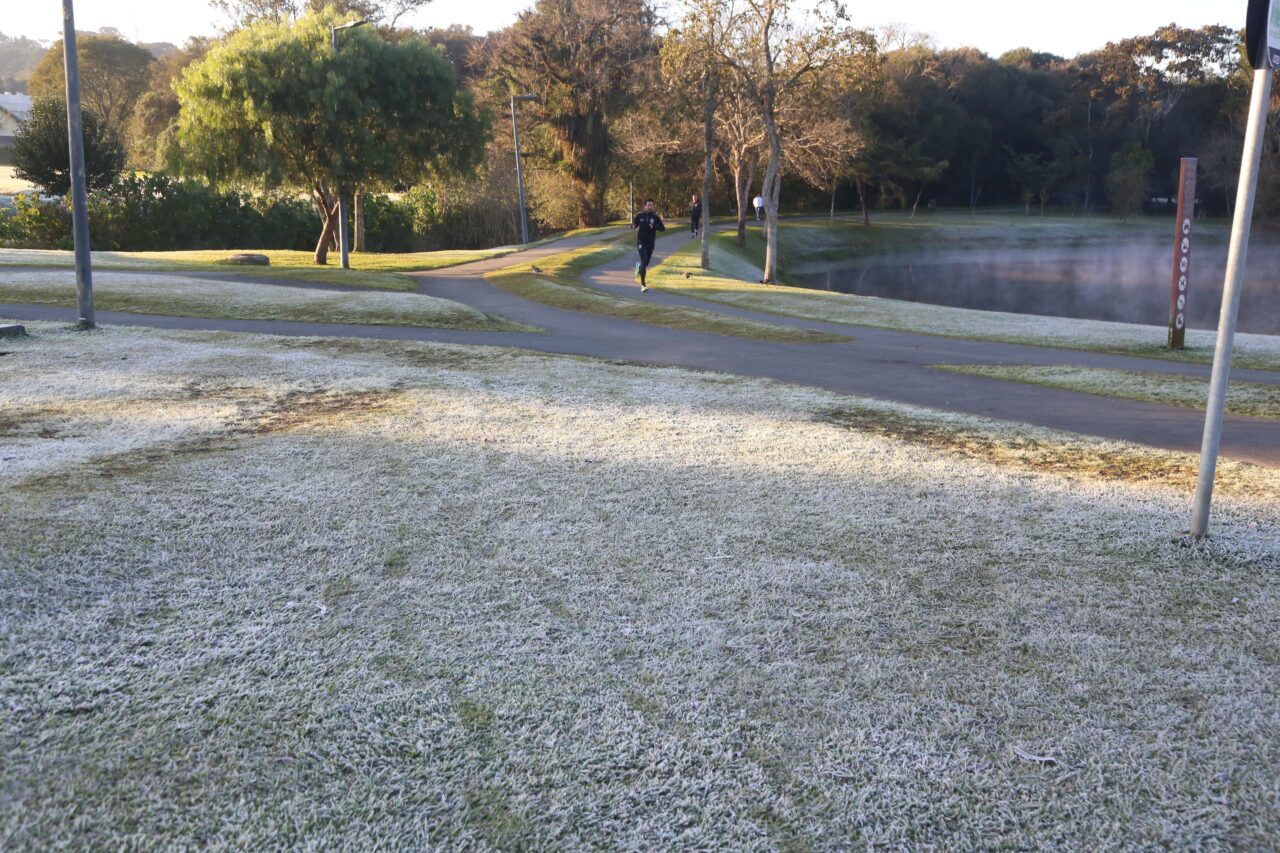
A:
(343, 242)
(79, 197)
(515, 134)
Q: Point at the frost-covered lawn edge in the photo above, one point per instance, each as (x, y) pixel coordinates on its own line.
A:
(319, 593)
(1251, 399)
(175, 295)
(733, 280)
(374, 270)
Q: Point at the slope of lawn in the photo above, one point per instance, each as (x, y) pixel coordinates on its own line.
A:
(268, 593)
(379, 271)
(558, 282)
(735, 275)
(176, 295)
(1251, 399)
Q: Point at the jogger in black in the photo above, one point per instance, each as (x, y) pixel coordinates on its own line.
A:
(647, 225)
(695, 215)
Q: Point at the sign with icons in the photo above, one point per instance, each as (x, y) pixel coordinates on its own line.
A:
(1182, 255)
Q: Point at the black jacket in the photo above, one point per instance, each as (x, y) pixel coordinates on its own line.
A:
(647, 226)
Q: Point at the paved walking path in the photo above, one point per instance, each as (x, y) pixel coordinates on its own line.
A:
(878, 363)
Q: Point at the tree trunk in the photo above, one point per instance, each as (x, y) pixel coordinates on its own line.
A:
(743, 188)
(359, 215)
(834, 184)
(917, 203)
(862, 203)
(772, 190)
(330, 229)
(708, 134)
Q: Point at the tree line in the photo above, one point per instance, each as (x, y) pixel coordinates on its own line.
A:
(725, 99)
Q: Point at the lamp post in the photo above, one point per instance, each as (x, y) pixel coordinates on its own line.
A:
(515, 133)
(79, 202)
(343, 243)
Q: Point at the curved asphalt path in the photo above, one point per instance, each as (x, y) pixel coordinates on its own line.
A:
(872, 362)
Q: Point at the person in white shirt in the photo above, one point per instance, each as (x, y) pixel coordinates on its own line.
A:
(759, 203)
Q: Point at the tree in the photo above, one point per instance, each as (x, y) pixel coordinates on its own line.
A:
(41, 155)
(742, 147)
(155, 116)
(1127, 182)
(273, 105)
(113, 75)
(1149, 74)
(692, 54)
(771, 54)
(582, 60)
(384, 12)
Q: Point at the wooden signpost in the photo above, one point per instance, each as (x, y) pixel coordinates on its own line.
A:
(1182, 254)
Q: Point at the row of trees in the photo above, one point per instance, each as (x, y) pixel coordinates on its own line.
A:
(732, 98)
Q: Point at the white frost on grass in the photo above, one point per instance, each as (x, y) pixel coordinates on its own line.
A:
(429, 596)
(152, 293)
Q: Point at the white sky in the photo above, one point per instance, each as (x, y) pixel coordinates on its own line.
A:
(992, 25)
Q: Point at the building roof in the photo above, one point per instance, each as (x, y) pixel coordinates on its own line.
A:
(18, 106)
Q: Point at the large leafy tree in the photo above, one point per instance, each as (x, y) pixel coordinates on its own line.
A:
(274, 106)
(113, 75)
(583, 59)
(245, 12)
(41, 156)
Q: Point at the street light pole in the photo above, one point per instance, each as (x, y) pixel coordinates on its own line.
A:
(515, 134)
(1246, 193)
(343, 243)
(79, 200)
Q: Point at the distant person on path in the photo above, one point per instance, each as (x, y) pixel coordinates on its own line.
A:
(647, 225)
(695, 215)
(759, 203)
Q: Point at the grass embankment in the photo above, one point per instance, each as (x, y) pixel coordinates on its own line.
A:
(266, 593)
(373, 270)
(172, 295)
(558, 283)
(733, 280)
(1251, 399)
(816, 242)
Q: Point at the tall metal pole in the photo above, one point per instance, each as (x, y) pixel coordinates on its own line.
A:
(343, 242)
(343, 249)
(515, 134)
(1246, 193)
(79, 200)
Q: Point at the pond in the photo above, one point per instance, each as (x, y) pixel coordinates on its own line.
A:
(1099, 283)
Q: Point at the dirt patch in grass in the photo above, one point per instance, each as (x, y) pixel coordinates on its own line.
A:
(291, 412)
(436, 356)
(1081, 459)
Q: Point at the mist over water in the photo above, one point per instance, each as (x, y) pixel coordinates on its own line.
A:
(1128, 284)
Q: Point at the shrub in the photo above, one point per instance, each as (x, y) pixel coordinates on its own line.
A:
(41, 155)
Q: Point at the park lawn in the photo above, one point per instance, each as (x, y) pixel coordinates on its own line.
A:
(175, 295)
(317, 593)
(373, 270)
(734, 280)
(558, 283)
(1250, 399)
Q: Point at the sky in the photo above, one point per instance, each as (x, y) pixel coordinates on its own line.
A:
(992, 25)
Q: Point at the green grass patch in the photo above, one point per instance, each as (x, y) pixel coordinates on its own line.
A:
(557, 282)
(1251, 399)
(373, 270)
